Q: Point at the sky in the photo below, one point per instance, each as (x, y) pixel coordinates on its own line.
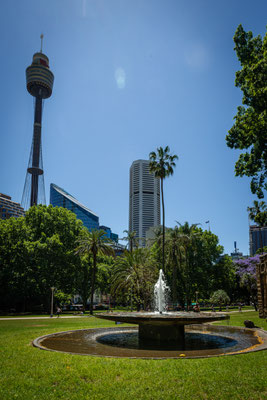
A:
(130, 76)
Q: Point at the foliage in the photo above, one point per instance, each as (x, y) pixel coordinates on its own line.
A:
(250, 127)
(135, 277)
(131, 239)
(246, 271)
(194, 263)
(258, 213)
(162, 164)
(93, 244)
(37, 252)
(263, 250)
(220, 296)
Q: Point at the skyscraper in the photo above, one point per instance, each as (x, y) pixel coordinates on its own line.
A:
(257, 238)
(39, 84)
(59, 197)
(144, 207)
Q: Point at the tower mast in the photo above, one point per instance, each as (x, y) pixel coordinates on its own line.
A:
(39, 84)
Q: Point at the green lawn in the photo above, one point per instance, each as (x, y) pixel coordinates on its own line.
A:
(29, 373)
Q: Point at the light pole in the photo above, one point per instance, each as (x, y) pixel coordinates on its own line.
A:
(52, 301)
(196, 297)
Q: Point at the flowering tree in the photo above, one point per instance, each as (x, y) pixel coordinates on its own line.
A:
(246, 271)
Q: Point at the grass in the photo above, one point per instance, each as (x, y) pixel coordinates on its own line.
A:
(30, 373)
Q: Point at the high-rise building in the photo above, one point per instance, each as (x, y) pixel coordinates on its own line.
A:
(110, 234)
(59, 197)
(9, 208)
(39, 84)
(257, 238)
(144, 207)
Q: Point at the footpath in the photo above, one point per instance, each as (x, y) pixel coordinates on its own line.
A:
(88, 316)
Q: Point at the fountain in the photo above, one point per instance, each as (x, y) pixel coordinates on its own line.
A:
(160, 293)
(160, 326)
(160, 334)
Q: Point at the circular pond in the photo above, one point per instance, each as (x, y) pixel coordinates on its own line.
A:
(200, 341)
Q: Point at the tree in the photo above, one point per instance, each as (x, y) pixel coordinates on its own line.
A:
(250, 127)
(162, 164)
(134, 276)
(131, 239)
(94, 243)
(194, 263)
(246, 271)
(37, 252)
(258, 213)
(221, 297)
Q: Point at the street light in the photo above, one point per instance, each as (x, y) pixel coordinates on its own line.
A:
(52, 301)
(196, 297)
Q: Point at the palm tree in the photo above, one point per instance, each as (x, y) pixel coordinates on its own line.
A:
(258, 214)
(133, 274)
(131, 239)
(162, 164)
(94, 243)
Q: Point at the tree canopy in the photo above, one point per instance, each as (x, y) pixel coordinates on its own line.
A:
(37, 252)
(249, 131)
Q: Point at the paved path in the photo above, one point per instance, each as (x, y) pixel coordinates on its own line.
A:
(48, 317)
(88, 316)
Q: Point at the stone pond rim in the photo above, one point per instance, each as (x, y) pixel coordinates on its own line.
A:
(163, 328)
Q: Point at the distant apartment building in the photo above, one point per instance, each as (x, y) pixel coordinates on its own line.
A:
(257, 238)
(59, 197)
(9, 208)
(144, 200)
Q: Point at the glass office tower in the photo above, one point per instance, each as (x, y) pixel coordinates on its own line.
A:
(59, 197)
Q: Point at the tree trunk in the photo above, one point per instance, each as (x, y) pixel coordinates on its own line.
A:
(174, 279)
(163, 227)
(93, 284)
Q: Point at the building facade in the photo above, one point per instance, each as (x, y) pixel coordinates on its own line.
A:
(257, 238)
(9, 208)
(110, 234)
(144, 200)
(59, 197)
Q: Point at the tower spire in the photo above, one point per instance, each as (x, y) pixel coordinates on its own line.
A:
(41, 37)
(39, 84)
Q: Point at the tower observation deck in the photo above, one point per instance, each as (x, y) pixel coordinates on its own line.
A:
(39, 80)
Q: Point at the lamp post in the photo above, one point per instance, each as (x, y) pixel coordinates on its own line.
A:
(196, 297)
(52, 301)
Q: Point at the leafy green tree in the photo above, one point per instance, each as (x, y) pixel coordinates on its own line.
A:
(83, 278)
(222, 275)
(134, 276)
(220, 297)
(162, 164)
(258, 213)
(37, 252)
(94, 243)
(193, 263)
(250, 127)
(15, 284)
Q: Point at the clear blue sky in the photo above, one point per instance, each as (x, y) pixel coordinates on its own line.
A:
(130, 76)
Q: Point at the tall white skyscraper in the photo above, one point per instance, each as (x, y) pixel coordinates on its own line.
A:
(144, 208)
